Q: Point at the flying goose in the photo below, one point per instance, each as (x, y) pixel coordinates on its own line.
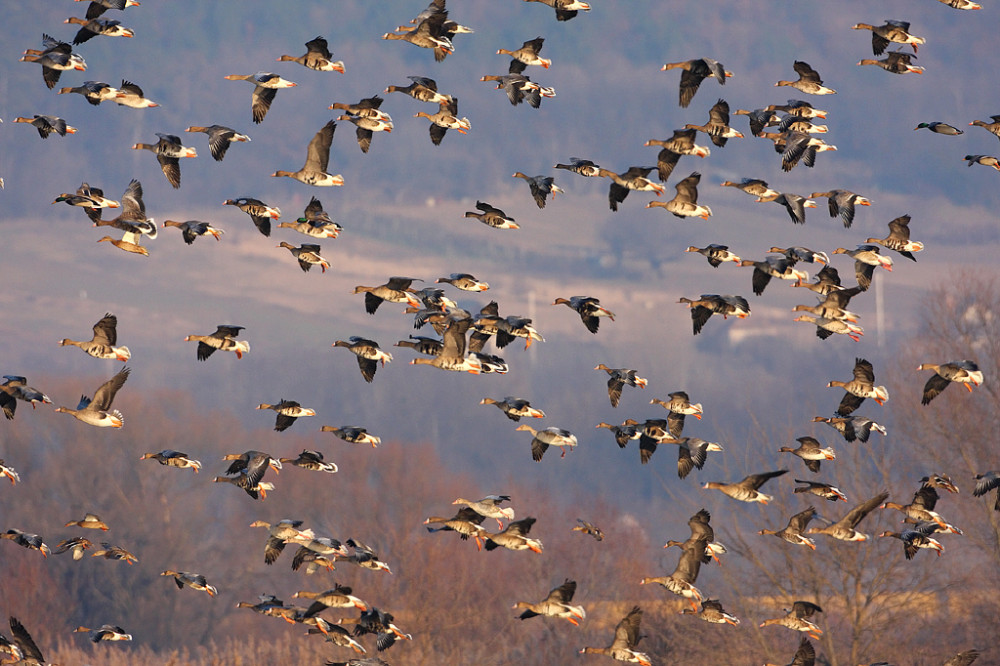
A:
(528, 53)
(313, 172)
(712, 611)
(317, 57)
(311, 460)
(445, 119)
(259, 212)
(422, 89)
(693, 72)
(266, 86)
(132, 96)
(492, 216)
(808, 82)
(897, 32)
(681, 143)
(841, 203)
(224, 339)
(899, 238)
(961, 372)
(220, 138)
(107, 632)
(14, 388)
(685, 202)
(581, 166)
(541, 187)
(288, 411)
(797, 619)
(26, 540)
(859, 388)
(565, 9)
(55, 58)
(747, 490)
(895, 62)
(168, 151)
(368, 352)
(845, 529)
(172, 458)
(466, 523)
(353, 434)
(46, 125)
(708, 304)
(307, 254)
(632, 179)
(618, 378)
(97, 411)
(195, 581)
(716, 254)
(794, 532)
(717, 127)
(514, 408)
(556, 604)
(92, 27)
(625, 642)
(515, 537)
(810, 451)
(192, 229)
(551, 436)
(681, 581)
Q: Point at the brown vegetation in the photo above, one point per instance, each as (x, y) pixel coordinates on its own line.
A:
(455, 600)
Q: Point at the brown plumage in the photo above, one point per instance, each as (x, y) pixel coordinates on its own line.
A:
(717, 126)
(266, 86)
(396, 290)
(224, 338)
(708, 304)
(681, 581)
(541, 187)
(168, 151)
(104, 341)
(899, 238)
(618, 378)
(859, 388)
(625, 642)
(808, 82)
(368, 352)
(794, 532)
(747, 490)
(693, 73)
(797, 619)
(632, 179)
(961, 372)
(845, 528)
(556, 604)
(313, 172)
(316, 57)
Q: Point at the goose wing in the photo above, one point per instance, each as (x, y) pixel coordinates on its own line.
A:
(807, 73)
(132, 206)
(318, 153)
(755, 481)
(24, 641)
(801, 520)
(857, 514)
(627, 631)
(105, 331)
(105, 395)
(564, 593)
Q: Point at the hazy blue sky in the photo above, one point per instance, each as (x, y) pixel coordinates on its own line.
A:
(611, 99)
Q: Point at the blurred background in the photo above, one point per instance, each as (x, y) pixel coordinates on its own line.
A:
(761, 380)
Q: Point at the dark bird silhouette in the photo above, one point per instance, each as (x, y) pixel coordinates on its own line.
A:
(693, 72)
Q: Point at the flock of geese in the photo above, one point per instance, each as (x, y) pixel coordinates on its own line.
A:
(463, 336)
